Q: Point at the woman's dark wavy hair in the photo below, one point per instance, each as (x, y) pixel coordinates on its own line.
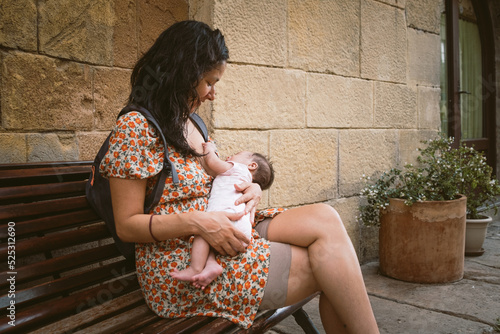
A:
(164, 80)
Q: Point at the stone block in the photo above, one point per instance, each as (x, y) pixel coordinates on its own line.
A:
(51, 147)
(18, 24)
(155, 16)
(368, 248)
(78, 30)
(12, 148)
(409, 141)
(252, 97)
(124, 33)
(383, 42)
(364, 152)
(348, 209)
(424, 15)
(231, 142)
(424, 58)
(45, 94)
(395, 106)
(428, 108)
(111, 91)
(324, 36)
(339, 102)
(306, 166)
(255, 31)
(396, 3)
(89, 144)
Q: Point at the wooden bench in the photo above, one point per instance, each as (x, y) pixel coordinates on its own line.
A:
(61, 272)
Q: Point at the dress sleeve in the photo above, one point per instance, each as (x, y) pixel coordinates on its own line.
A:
(135, 151)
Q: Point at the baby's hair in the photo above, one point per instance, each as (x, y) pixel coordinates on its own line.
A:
(264, 175)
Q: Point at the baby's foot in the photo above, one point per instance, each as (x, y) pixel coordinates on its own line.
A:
(207, 275)
(187, 274)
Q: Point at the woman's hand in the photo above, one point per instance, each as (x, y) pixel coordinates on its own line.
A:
(251, 197)
(218, 230)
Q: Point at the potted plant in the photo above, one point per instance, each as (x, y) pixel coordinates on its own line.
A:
(421, 211)
(481, 189)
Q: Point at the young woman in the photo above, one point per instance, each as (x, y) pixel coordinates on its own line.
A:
(294, 253)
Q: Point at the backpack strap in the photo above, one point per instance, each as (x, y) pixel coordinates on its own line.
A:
(200, 125)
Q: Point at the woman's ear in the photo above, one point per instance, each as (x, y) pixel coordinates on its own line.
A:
(252, 166)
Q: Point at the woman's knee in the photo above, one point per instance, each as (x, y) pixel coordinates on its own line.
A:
(325, 217)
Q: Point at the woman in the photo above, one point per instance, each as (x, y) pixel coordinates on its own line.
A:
(308, 248)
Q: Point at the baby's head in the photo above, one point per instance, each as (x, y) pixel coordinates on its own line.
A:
(261, 168)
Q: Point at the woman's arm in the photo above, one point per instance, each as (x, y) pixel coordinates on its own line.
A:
(132, 225)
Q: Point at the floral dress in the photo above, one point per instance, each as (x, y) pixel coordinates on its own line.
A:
(136, 152)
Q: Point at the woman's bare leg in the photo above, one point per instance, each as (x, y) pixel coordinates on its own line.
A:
(325, 260)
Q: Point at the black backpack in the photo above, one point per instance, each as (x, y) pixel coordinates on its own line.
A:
(97, 187)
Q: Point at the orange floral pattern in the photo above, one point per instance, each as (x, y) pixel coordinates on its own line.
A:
(137, 152)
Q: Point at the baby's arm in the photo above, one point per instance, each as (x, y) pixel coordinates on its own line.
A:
(211, 162)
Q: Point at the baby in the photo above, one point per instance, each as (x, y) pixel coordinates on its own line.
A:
(241, 167)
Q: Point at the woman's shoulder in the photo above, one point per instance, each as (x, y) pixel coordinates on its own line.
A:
(135, 120)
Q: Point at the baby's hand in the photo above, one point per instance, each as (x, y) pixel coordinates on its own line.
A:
(208, 147)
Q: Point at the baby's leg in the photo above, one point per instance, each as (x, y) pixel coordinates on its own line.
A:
(211, 271)
(199, 255)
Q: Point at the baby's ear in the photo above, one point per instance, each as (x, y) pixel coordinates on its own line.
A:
(253, 166)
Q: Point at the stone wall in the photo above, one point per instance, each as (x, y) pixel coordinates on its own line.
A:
(65, 71)
(329, 90)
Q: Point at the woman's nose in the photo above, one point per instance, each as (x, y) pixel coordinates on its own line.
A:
(211, 94)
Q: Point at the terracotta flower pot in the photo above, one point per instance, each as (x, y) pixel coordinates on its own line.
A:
(475, 233)
(423, 243)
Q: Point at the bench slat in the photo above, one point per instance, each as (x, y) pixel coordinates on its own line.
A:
(15, 211)
(41, 190)
(56, 170)
(56, 221)
(62, 263)
(94, 316)
(42, 313)
(65, 285)
(57, 240)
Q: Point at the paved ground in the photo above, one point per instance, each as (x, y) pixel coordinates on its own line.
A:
(471, 305)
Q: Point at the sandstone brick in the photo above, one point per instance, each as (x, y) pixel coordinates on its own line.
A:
(260, 98)
(89, 144)
(52, 147)
(409, 141)
(424, 14)
(12, 147)
(395, 106)
(79, 30)
(111, 90)
(368, 250)
(155, 16)
(324, 36)
(397, 3)
(43, 93)
(337, 102)
(18, 24)
(255, 31)
(383, 42)
(424, 58)
(202, 10)
(306, 166)
(428, 108)
(348, 209)
(230, 142)
(124, 33)
(364, 152)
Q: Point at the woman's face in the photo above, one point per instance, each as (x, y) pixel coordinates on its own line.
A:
(206, 86)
